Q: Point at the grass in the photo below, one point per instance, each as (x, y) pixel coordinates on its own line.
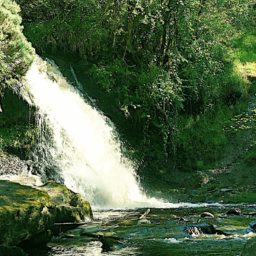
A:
(244, 54)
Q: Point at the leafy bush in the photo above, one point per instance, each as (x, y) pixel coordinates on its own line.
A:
(16, 53)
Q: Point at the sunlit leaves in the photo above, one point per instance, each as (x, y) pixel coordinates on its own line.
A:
(16, 53)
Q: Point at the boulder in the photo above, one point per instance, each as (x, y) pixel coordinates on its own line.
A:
(199, 229)
(21, 212)
(29, 214)
(234, 211)
(69, 206)
(207, 215)
(203, 228)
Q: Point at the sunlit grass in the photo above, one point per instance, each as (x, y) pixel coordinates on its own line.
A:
(247, 69)
(244, 54)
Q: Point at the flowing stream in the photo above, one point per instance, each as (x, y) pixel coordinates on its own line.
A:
(161, 233)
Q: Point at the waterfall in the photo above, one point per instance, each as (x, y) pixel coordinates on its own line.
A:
(82, 144)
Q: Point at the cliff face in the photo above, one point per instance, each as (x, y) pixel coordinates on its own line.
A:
(17, 129)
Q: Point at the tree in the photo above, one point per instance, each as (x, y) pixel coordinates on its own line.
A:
(16, 53)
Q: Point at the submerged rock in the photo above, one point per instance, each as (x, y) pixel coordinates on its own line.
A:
(29, 214)
(144, 221)
(234, 211)
(206, 215)
(253, 226)
(203, 228)
(199, 229)
(224, 190)
(108, 242)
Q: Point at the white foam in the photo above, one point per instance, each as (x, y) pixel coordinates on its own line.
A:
(84, 146)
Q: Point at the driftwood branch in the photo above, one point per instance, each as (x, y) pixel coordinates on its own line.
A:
(145, 214)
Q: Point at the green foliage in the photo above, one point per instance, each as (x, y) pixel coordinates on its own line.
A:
(201, 140)
(250, 157)
(245, 48)
(16, 53)
(18, 140)
(169, 65)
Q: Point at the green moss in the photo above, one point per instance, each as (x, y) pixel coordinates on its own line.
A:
(247, 197)
(20, 211)
(245, 48)
(62, 196)
(26, 212)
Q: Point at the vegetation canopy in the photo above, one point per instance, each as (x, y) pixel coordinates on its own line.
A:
(16, 52)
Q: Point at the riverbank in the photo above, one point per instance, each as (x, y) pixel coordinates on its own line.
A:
(29, 215)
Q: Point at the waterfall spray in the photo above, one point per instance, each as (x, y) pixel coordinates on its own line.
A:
(83, 144)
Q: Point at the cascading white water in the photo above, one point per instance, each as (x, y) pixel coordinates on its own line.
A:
(83, 143)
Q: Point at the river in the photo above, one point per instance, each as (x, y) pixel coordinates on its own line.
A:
(161, 232)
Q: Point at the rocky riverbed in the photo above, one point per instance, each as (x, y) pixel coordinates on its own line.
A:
(184, 231)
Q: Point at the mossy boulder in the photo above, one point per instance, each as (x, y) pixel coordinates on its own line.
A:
(21, 212)
(27, 212)
(70, 206)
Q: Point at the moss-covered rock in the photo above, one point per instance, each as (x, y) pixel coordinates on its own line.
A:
(15, 111)
(27, 212)
(70, 206)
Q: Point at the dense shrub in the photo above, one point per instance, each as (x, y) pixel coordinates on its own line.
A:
(16, 53)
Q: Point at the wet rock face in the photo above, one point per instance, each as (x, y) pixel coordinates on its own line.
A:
(14, 110)
(18, 133)
(28, 213)
(11, 165)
